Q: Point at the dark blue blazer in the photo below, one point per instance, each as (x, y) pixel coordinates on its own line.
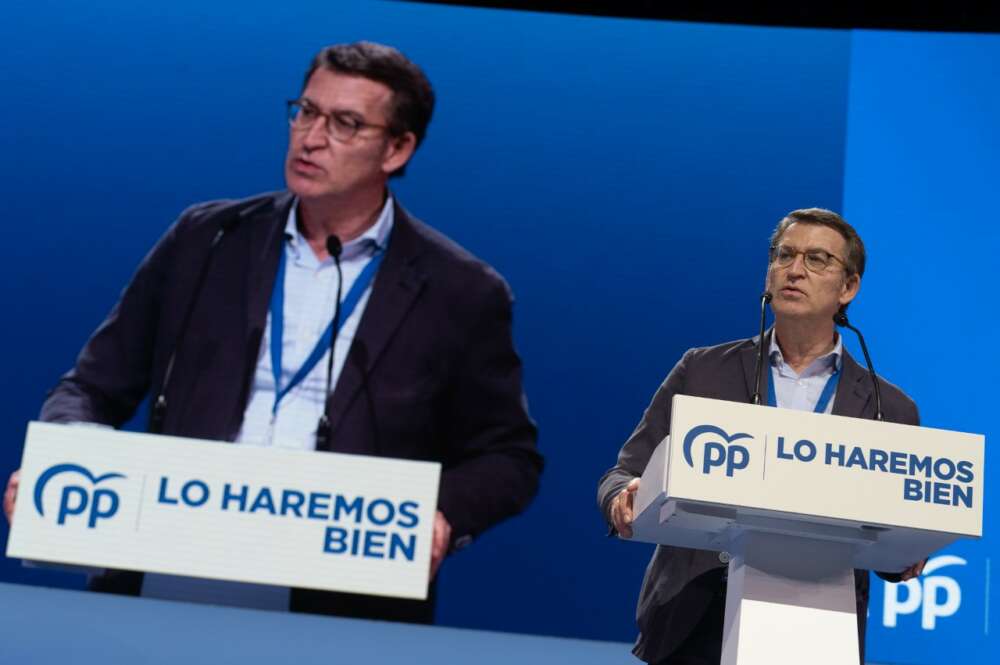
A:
(432, 373)
(680, 583)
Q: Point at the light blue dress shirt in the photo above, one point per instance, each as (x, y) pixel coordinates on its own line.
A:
(310, 294)
(801, 391)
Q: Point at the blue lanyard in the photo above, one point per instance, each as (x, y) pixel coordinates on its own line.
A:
(361, 284)
(824, 397)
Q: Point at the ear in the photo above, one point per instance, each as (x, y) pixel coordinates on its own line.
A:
(398, 151)
(850, 289)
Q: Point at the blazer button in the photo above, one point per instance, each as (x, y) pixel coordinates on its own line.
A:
(724, 557)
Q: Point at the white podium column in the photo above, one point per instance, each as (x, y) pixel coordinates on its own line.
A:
(790, 600)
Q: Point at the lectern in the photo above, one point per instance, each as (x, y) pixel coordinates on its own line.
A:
(176, 506)
(798, 500)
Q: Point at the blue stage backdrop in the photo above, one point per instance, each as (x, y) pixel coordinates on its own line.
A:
(923, 162)
(623, 175)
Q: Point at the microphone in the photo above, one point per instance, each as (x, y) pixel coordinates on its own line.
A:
(334, 248)
(841, 320)
(158, 413)
(765, 298)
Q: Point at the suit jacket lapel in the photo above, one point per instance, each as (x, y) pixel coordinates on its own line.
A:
(854, 389)
(399, 281)
(263, 246)
(267, 224)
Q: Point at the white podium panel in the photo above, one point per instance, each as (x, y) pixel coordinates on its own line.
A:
(898, 492)
(799, 500)
(108, 499)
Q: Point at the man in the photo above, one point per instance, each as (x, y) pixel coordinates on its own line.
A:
(816, 263)
(424, 366)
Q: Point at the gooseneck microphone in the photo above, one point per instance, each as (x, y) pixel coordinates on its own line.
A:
(841, 320)
(158, 413)
(765, 298)
(334, 248)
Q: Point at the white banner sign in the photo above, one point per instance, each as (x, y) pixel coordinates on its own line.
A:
(827, 466)
(108, 499)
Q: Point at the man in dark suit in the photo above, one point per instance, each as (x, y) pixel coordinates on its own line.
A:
(425, 366)
(817, 261)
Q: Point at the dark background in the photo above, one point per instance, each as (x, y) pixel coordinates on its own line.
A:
(957, 16)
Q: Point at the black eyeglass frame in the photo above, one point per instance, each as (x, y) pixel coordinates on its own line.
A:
(807, 255)
(340, 125)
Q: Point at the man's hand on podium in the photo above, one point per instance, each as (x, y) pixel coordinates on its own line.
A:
(440, 541)
(621, 509)
(10, 495)
(912, 571)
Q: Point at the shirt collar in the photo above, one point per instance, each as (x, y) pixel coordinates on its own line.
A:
(377, 235)
(832, 359)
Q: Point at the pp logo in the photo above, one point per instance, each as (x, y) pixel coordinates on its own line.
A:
(936, 596)
(77, 499)
(718, 453)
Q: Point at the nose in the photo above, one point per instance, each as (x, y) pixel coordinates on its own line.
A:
(797, 268)
(315, 136)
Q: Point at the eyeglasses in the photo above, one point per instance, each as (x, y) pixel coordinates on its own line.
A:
(340, 125)
(815, 260)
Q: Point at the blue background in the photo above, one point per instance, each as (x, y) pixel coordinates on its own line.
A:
(623, 175)
(923, 161)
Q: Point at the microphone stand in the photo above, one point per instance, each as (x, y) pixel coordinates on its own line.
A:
(765, 298)
(334, 247)
(158, 412)
(840, 319)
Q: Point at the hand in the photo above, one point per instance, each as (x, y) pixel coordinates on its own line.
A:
(621, 509)
(440, 543)
(913, 571)
(10, 496)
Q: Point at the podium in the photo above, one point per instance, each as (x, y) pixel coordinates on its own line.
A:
(797, 500)
(101, 498)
